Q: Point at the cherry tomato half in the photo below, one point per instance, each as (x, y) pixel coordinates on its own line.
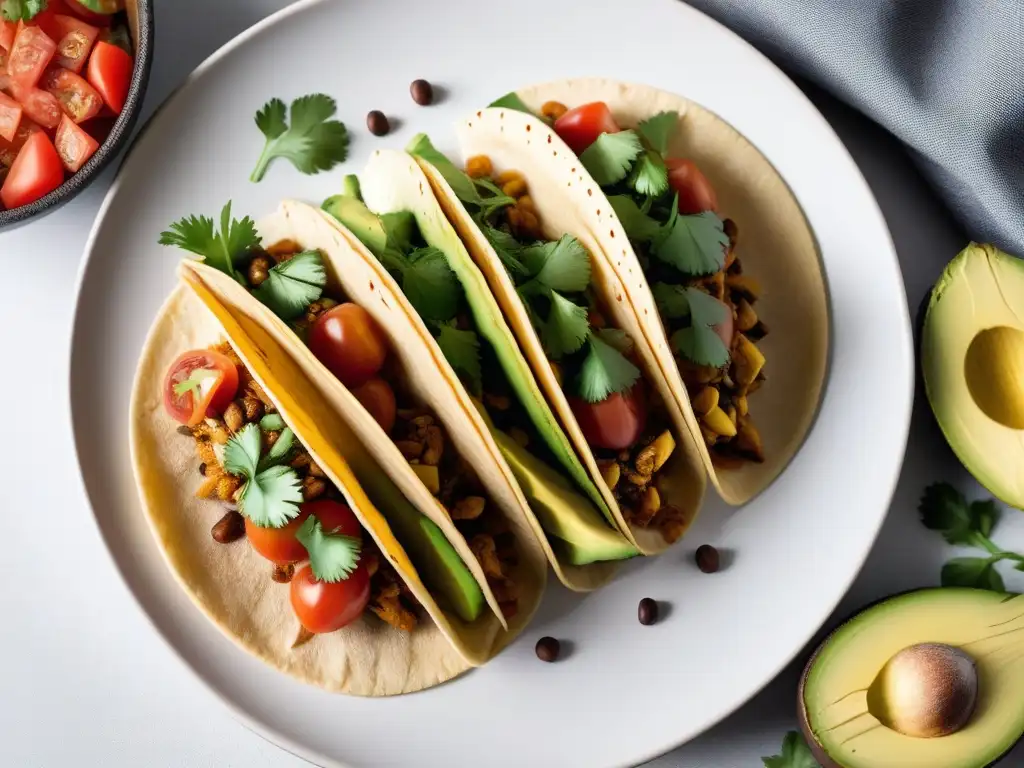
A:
(74, 145)
(217, 384)
(616, 422)
(36, 172)
(30, 55)
(280, 546)
(378, 398)
(580, 127)
(695, 191)
(110, 73)
(75, 42)
(349, 342)
(322, 606)
(79, 100)
(10, 117)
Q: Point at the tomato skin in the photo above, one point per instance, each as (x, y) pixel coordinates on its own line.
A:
(74, 145)
(349, 342)
(378, 398)
(39, 105)
(323, 607)
(186, 408)
(36, 172)
(74, 43)
(280, 546)
(8, 29)
(10, 117)
(79, 100)
(580, 127)
(110, 73)
(616, 422)
(726, 327)
(696, 194)
(31, 54)
(9, 149)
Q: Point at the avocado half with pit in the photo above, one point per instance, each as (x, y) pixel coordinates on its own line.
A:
(926, 679)
(972, 363)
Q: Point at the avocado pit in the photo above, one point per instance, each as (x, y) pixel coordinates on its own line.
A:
(994, 371)
(926, 691)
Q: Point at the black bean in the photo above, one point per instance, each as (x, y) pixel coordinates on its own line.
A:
(377, 122)
(422, 92)
(229, 528)
(647, 611)
(185, 431)
(548, 648)
(202, 468)
(707, 558)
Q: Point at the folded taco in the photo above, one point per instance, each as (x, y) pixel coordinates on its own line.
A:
(702, 239)
(265, 525)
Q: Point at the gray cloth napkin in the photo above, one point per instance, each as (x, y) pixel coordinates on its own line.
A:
(944, 76)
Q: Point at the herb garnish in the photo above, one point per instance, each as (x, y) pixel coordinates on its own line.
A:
(333, 556)
(699, 341)
(313, 142)
(611, 156)
(511, 101)
(795, 754)
(290, 286)
(194, 382)
(272, 491)
(943, 508)
(21, 10)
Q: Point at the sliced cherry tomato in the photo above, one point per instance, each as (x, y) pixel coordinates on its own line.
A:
(212, 376)
(74, 145)
(378, 398)
(8, 29)
(31, 54)
(36, 172)
(580, 127)
(349, 342)
(77, 98)
(39, 105)
(75, 42)
(616, 422)
(9, 149)
(696, 194)
(110, 73)
(322, 606)
(280, 546)
(10, 117)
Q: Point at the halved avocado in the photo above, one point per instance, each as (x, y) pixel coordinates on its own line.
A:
(972, 363)
(935, 661)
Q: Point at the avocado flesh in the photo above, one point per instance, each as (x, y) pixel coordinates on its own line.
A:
(353, 213)
(971, 344)
(987, 625)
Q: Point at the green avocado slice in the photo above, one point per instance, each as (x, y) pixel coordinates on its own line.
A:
(847, 724)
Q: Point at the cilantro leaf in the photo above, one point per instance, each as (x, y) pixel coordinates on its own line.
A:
(507, 248)
(272, 422)
(795, 754)
(194, 381)
(511, 100)
(693, 244)
(462, 351)
(280, 449)
(242, 451)
(292, 285)
(332, 556)
(639, 226)
(566, 329)
(976, 572)
(271, 496)
(399, 227)
(312, 143)
(431, 286)
(657, 130)
(984, 515)
(611, 156)
(604, 371)
(488, 204)
(650, 176)
(562, 265)
(21, 10)
(221, 250)
(943, 508)
(699, 342)
(461, 184)
(701, 345)
(671, 300)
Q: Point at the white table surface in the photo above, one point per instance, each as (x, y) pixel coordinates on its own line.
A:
(84, 681)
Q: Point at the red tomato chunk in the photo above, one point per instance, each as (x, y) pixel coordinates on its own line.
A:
(36, 172)
(40, 106)
(75, 43)
(77, 98)
(74, 145)
(33, 49)
(110, 73)
(10, 117)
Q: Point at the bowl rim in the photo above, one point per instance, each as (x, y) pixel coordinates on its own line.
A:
(115, 140)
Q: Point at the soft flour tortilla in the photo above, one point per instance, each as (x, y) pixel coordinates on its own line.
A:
(231, 583)
(775, 244)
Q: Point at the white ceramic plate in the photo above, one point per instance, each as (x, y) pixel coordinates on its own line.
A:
(625, 692)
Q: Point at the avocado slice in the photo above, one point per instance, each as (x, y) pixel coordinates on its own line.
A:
(944, 662)
(353, 213)
(562, 512)
(972, 363)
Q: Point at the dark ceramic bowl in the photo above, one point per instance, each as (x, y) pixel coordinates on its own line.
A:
(140, 17)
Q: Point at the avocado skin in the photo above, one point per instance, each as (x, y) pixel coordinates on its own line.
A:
(801, 703)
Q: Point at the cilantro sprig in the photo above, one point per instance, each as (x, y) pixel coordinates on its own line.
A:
(290, 286)
(698, 341)
(194, 382)
(272, 491)
(511, 100)
(333, 556)
(795, 754)
(611, 156)
(944, 509)
(312, 142)
(21, 10)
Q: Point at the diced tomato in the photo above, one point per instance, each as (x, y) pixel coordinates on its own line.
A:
(7, 31)
(75, 42)
(40, 106)
(5, 80)
(696, 194)
(74, 145)
(199, 383)
(9, 149)
(616, 422)
(110, 73)
(580, 127)
(33, 49)
(77, 98)
(36, 172)
(10, 117)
